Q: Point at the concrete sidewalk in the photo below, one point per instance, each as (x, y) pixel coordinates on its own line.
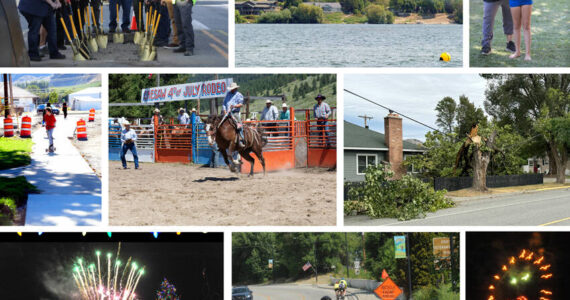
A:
(70, 190)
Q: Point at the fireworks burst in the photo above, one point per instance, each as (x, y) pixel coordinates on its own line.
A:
(114, 281)
(522, 269)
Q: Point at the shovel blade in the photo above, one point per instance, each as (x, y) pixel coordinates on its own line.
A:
(102, 41)
(93, 45)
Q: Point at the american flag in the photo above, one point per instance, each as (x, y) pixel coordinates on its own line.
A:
(307, 266)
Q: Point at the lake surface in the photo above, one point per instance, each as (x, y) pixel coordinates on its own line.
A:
(347, 45)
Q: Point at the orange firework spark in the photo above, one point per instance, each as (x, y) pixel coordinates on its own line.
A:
(523, 254)
(539, 261)
(504, 268)
(497, 277)
(491, 287)
(513, 260)
(491, 297)
(544, 268)
(529, 257)
(543, 298)
(546, 292)
(522, 298)
(546, 276)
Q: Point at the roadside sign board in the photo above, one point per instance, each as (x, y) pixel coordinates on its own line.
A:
(441, 249)
(400, 246)
(270, 263)
(388, 290)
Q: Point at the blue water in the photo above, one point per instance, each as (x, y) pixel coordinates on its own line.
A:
(347, 45)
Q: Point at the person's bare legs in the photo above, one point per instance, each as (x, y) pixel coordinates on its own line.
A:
(526, 11)
(43, 36)
(516, 12)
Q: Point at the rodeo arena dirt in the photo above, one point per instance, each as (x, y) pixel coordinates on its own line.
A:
(181, 181)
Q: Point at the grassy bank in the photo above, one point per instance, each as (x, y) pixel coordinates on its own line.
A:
(341, 18)
(14, 152)
(442, 292)
(13, 194)
(550, 39)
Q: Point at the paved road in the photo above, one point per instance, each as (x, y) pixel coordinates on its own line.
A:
(210, 21)
(547, 207)
(304, 292)
(70, 190)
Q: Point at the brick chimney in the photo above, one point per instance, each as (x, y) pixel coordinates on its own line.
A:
(394, 140)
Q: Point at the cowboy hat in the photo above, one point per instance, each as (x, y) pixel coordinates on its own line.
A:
(320, 96)
(193, 109)
(156, 110)
(284, 105)
(126, 123)
(233, 86)
(180, 109)
(268, 101)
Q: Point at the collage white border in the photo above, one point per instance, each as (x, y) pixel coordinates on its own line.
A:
(228, 230)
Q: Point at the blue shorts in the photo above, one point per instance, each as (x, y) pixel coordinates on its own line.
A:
(516, 3)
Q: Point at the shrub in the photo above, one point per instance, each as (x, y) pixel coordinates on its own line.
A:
(403, 199)
(283, 16)
(239, 19)
(377, 14)
(307, 14)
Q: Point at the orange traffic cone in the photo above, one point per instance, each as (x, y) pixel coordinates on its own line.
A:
(134, 24)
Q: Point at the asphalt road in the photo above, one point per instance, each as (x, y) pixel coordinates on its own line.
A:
(304, 292)
(550, 207)
(210, 22)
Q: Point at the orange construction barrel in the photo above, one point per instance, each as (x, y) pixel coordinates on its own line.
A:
(26, 131)
(8, 127)
(81, 130)
(92, 115)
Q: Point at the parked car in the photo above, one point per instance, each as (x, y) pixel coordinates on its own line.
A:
(42, 107)
(241, 293)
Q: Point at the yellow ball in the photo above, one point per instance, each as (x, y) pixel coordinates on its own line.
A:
(445, 56)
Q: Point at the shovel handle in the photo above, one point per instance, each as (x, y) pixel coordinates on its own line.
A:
(65, 29)
(154, 21)
(117, 14)
(79, 18)
(94, 19)
(156, 26)
(140, 16)
(73, 26)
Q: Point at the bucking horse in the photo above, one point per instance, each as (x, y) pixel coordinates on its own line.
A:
(222, 130)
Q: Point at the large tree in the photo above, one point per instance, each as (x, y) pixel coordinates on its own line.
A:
(522, 100)
(467, 116)
(446, 112)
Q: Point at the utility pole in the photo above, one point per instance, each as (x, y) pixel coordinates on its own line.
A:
(346, 241)
(453, 283)
(157, 80)
(6, 105)
(366, 118)
(363, 250)
(315, 267)
(409, 266)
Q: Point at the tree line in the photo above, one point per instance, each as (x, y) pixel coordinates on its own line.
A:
(330, 253)
(528, 112)
(383, 10)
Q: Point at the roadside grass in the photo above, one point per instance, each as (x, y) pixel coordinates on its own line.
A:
(14, 152)
(442, 292)
(550, 38)
(13, 194)
(511, 189)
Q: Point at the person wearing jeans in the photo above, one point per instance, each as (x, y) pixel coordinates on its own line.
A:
(183, 18)
(125, 5)
(129, 138)
(321, 112)
(490, 8)
(38, 13)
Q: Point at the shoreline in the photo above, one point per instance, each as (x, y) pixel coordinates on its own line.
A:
(346, 19)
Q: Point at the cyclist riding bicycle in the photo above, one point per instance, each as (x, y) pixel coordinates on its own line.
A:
(342, 285)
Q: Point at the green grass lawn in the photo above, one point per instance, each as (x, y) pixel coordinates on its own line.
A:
(13, 194)
(14, 152)
(550, 39)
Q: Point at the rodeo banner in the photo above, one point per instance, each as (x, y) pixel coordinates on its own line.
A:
(187, 91)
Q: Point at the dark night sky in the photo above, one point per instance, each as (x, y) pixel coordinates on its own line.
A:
(488, 251)
(31, 269)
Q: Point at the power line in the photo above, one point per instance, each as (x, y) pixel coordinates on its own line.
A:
(391, 110)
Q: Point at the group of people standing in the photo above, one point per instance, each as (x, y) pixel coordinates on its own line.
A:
(46, 34)
(516, 15)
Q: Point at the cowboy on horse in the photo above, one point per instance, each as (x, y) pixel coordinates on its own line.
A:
(232, 106)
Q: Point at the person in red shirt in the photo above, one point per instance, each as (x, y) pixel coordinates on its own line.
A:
(50, 125)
